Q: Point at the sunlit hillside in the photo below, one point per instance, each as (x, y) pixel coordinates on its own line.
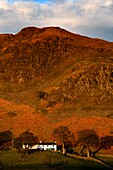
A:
(51, 77)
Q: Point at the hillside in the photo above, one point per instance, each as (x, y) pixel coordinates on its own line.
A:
(55, 76)
(19, 118)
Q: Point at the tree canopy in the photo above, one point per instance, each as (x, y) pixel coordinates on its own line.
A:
(106, 142)
(88, 139)
(64, 135)
(5, 137)
(27, 138)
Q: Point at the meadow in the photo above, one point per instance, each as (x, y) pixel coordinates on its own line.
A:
(46, 160)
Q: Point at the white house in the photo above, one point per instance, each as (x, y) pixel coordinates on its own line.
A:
(42, 146)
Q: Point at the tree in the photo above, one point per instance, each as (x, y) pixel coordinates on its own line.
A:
(88, 139)
(5, 137)
(105, 143)
(28, 139)
(64, 135)
(18, 142)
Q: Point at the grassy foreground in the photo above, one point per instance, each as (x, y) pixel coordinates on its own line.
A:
(44, 161)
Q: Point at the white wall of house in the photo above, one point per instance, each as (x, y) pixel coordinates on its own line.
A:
(48, 147)
(42, 146)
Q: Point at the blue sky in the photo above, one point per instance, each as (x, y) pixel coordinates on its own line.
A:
(42, 1)
(93, 18)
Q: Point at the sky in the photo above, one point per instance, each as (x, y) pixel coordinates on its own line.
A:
(92, 18)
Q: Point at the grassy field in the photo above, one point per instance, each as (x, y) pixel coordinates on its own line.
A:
(106, 159)
(44, 161)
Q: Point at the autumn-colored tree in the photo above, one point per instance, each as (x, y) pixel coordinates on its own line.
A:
(28, 139)
(64, 135)
(88, 138)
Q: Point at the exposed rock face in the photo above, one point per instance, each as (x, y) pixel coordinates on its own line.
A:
(94, 83)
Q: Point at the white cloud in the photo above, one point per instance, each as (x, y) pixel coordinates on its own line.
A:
(75, 15)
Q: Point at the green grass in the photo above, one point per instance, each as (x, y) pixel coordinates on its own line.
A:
(44, 161)
(109, 160)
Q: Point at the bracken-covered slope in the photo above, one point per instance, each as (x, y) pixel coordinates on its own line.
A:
(19, 118)
(57, 73)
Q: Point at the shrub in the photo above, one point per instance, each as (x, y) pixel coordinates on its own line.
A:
(11, 114)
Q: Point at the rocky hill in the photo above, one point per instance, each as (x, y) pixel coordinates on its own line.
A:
(58, 73)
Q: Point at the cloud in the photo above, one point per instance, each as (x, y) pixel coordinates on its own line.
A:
(88, 17)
